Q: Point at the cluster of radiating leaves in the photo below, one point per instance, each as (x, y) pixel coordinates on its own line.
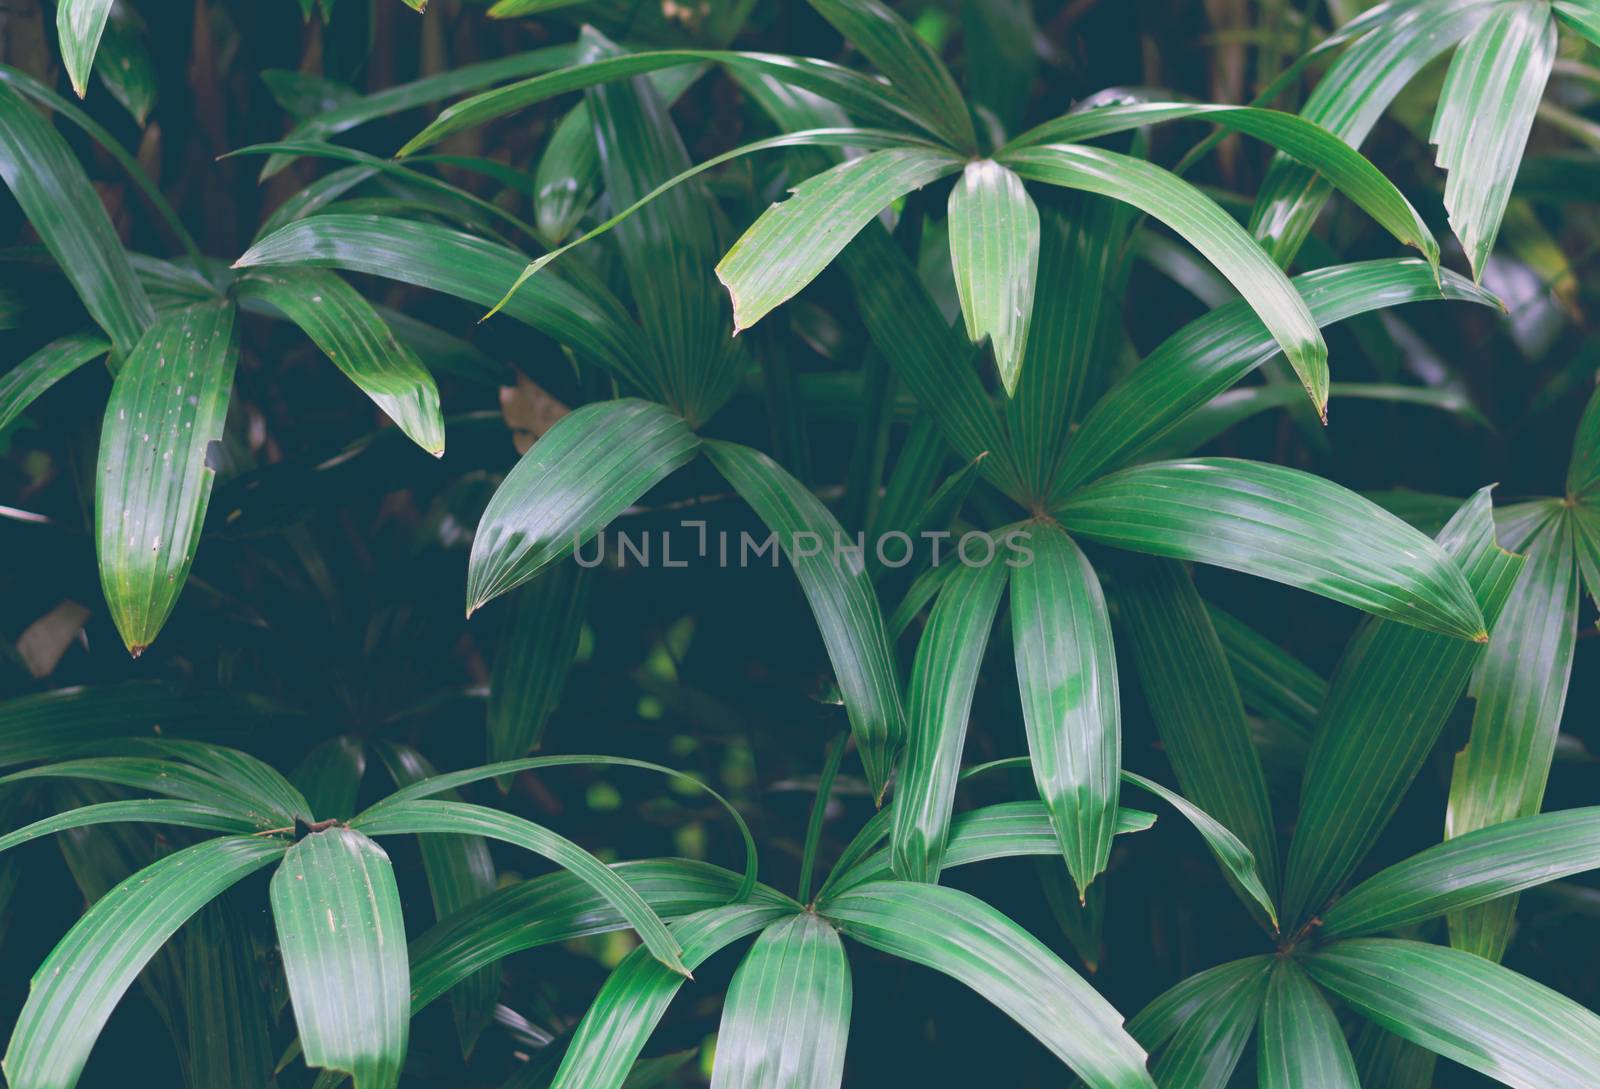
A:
(1116, 507)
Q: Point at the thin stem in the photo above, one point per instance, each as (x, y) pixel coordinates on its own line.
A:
(819, 810)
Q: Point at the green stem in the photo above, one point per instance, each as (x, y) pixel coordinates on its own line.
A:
(819, 810)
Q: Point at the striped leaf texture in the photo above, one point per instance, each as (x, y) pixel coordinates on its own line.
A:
(949, 657)
(158, 443)
(587, 469)
(784, 250)
(959, 935)
(1519, 693)
(994, 249)
(1284, 525)
(1486, 109)
(1386, 706)
(1067, 674)
(1300, 1042)
(86, 975)
(343, 942)
(787, 1014)
(1205, 226)
(56, 196)
(350, 332)
(1466, 1008)
(841, 598)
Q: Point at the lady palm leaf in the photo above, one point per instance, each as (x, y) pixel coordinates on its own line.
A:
(1465, 1008)
(86, 975)
(55, 195)
(1385, 708)
(339, 925)
(586, 470)
(157, 447)
(787, 1014)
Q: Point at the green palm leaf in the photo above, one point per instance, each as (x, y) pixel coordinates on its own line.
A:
(636, 995)
(1279, 524)
(165, 414)
(994, 248)
(22, 384)
(80, 23)
(78, 985)
(1387, 703)
(342, 938)
(1486, 109)
(1520, 691)
(55, 195)
(1468, 1009)
(949, 658)
(1469, 869)
(791, 242)
(959, 935)
(587, 469)
(1067, 672)
(1205, 226)
(1300, 1042)
(787, 1014)
(349, 331)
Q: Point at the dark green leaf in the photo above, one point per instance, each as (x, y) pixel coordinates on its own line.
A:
(587, 469)
(1280, 524)
(330, 777)
(1272, 682)
(1483, 1016)
(460, 873)
(1520, 690)
(127, 67)
(22, 384)
(959, 935)
(1301, 1044)
(55, 195)
(343, 942)
(1067, 672)
(154, 810)
(787, 1014)
(1200, 1028)
(417, 817)
(1392, 44)
(1471, 868)
(225, 1001)
(1212, 353)
(889, 42)
(862, 95)
(589, 319)
(1205, 226)
(949, 657)
(1334, 161)
(636, 995)
(1229, 850)
(349, 331)
(784, 250)
(1386, 706)
(1195, 704)
(537, 644)
(167, 409)
(76, 988)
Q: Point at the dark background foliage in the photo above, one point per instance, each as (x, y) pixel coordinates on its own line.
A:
(331, 583)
